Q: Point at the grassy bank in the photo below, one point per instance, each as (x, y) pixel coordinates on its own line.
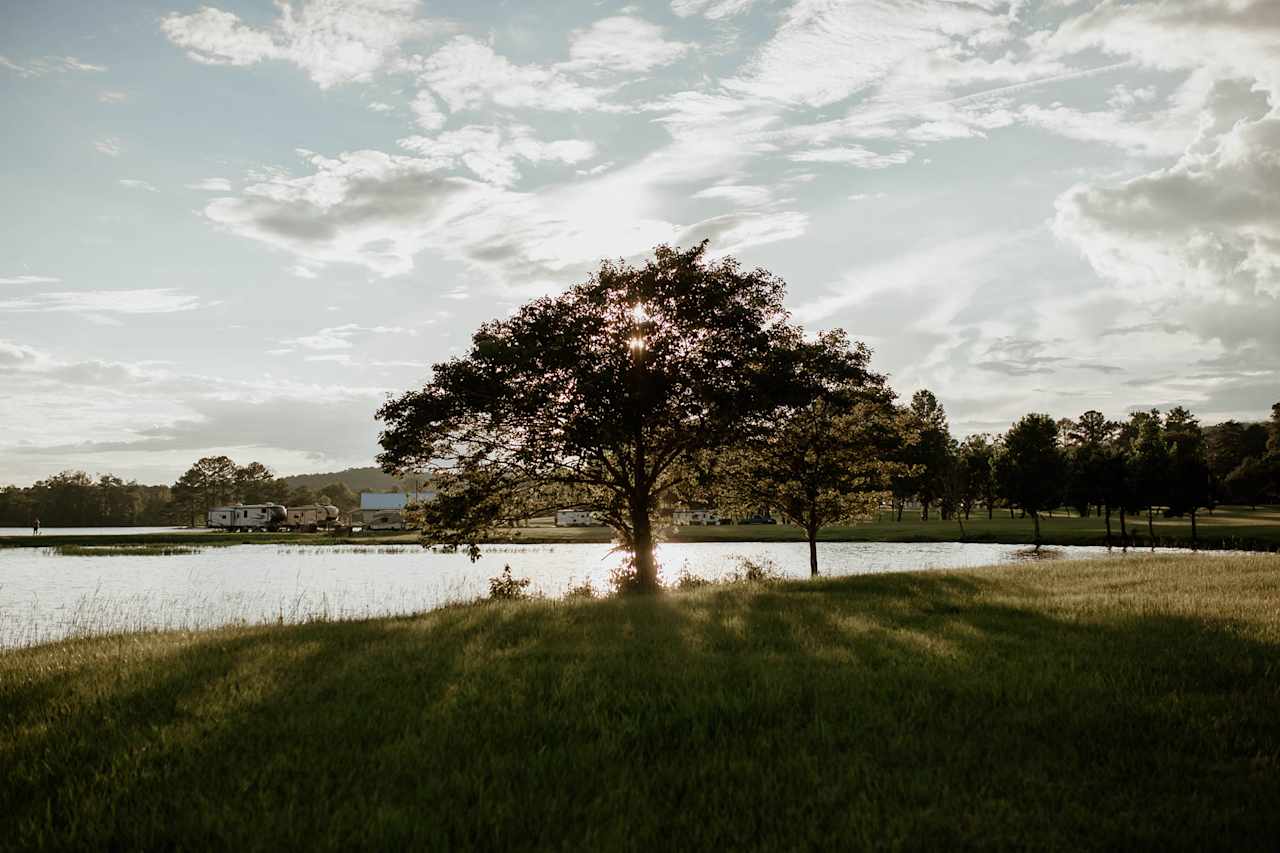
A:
(1227, 528)
(1106, 703)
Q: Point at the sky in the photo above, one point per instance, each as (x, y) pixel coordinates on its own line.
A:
(237, 228)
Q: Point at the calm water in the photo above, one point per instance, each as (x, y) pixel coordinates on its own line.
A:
(46, 596)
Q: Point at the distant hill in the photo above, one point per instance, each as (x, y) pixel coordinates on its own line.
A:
(371, 479)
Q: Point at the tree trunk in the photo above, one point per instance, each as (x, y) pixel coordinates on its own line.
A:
(924, 510)
(1035, 516)
(1108, 517)
(813, 552)
(1151, 530)
(1124, 531)
(1195, 542)
(901, 505)
(991, 511)
(646, 564)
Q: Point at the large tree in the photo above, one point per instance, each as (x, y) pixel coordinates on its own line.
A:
(599, 398)
(1031, 466)
(823, 460)
(977, 453)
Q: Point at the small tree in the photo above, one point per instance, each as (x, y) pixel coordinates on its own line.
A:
(1031, 467)
(1150, 464)
(825, 461)
(598, 398)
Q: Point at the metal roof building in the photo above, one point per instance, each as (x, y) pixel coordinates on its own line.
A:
(392, 500)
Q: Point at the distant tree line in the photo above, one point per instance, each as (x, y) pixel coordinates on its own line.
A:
(1113, 469)
(75, 498)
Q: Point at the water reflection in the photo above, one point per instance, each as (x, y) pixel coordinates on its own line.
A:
(46, 596)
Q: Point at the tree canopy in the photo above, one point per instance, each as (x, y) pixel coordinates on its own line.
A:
(601, 398)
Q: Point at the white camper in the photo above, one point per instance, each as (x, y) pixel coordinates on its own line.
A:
(684, 517)
(311, 517)
(247, 517)
(576, 518)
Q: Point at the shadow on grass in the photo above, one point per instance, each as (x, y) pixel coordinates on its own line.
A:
(886, 710)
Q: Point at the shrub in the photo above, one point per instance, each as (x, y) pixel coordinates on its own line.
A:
(755, 570)
(624, 579)
(582, 590)
(686, 581)
(504, 587)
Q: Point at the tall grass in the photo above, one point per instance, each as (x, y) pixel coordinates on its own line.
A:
(1107, 704)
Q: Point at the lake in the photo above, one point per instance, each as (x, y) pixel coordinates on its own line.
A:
(46, 596)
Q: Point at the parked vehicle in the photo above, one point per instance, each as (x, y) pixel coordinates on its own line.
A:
(247, 517)
(378, 519)
(577, 518)
(682, 517)
(311, 517)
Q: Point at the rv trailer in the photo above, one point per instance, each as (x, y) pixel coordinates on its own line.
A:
(247, 517)
(311, 517)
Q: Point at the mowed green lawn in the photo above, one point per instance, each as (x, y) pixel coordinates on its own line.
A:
(1128, 702)
(1226, 527)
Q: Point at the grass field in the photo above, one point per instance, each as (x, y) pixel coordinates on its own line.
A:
(1105, 704)
(1228, 527)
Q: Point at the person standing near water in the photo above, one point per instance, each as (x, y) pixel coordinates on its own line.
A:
(35, 527)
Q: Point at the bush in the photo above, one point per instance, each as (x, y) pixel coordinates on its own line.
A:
(624, 580)
(504, 587)
(755, 570)
(686, 581)
(582, 590)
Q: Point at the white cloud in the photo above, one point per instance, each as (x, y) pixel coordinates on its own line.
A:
(734, 232)
(135, 184)
(380, 107)
(491, 153)
(48, 65)
(827, 50)
(467, 74)
(110, 146)
(621, 44)
(333, 41)
(213, 185)
(748, 196)
(111, 97)
(853, 155)
(337, 338)
(426, 112)
(162, 300)
(28, 279)
(713, 9)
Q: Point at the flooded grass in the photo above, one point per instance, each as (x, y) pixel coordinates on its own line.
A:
(1112, 704)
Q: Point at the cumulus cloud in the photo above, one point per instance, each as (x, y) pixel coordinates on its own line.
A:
(491, 153)
(1201, 237)
(333, 41)
(468, 74)
(622, 43)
